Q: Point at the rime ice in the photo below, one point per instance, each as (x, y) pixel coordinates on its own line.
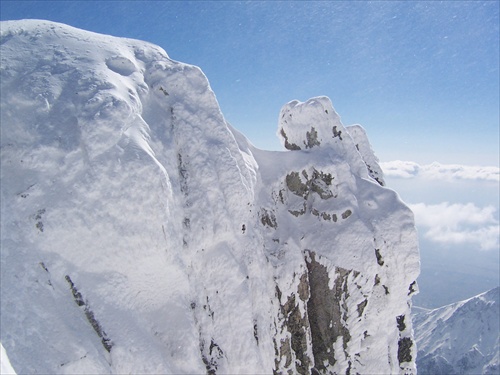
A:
(141, 233)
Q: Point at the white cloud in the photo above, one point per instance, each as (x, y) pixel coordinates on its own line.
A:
(409, 169)
(458, 224)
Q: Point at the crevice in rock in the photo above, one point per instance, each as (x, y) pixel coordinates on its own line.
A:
(105, 340)
(361, 307)
(210, 356)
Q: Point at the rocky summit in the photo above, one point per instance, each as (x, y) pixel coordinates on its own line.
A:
(141, 233)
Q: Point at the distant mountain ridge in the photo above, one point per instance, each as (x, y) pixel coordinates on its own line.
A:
(141, 233)
(461, 338)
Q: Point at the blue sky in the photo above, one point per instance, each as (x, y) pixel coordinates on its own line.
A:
(422, 77)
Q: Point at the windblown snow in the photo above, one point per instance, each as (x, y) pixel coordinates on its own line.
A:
(141, 233)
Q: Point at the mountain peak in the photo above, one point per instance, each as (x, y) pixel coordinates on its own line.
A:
(461, 337)
(142, 233)
(309, 124)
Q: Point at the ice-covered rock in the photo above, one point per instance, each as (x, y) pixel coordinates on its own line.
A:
(141, 233)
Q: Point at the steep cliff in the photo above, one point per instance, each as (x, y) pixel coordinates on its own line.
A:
(142, 233)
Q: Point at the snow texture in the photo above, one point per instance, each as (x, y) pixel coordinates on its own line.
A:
(461, 338)
(141, 233)
(5, 366)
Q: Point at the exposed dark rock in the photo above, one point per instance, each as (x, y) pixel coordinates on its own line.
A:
(298, 326)
(380, 261)
(38, 218)
(288, 145)
(268, 219)
(346, 214)
(282, 198)
(303, 287)
(286, 351)
(326, 216)
(325, 312)
(412, 288)
(312, 138)
(39, 214)
(321, 191)
(373, 174)
(404, 349)
(76, 294)
(106, 342)
(401, 322)
(297, 213)
(348, 369)
(295, 184)
(361, 307)
(183, 175)
(337, 133)
(211, 358)
(318, 183)
(256, 332)
(278, 293)
(44, 267)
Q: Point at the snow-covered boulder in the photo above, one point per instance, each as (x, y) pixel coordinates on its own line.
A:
(141, 233)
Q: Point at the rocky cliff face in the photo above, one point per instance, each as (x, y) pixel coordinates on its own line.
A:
(142, 233)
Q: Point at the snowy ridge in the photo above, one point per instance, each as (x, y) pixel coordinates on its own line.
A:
(141, 233)
(461, 338)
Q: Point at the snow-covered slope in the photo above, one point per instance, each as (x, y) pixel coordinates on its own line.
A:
(461, 338)
(5, 366)
(140, 233)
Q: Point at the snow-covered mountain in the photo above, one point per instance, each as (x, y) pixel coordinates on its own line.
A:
(141, 233)
(461, 338)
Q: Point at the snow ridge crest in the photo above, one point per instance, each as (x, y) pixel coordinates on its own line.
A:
(141, 233)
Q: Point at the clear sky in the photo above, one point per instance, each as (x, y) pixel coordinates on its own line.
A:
(422, 77)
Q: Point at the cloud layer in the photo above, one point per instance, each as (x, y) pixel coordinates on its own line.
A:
(458, 224)
(409, 169)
